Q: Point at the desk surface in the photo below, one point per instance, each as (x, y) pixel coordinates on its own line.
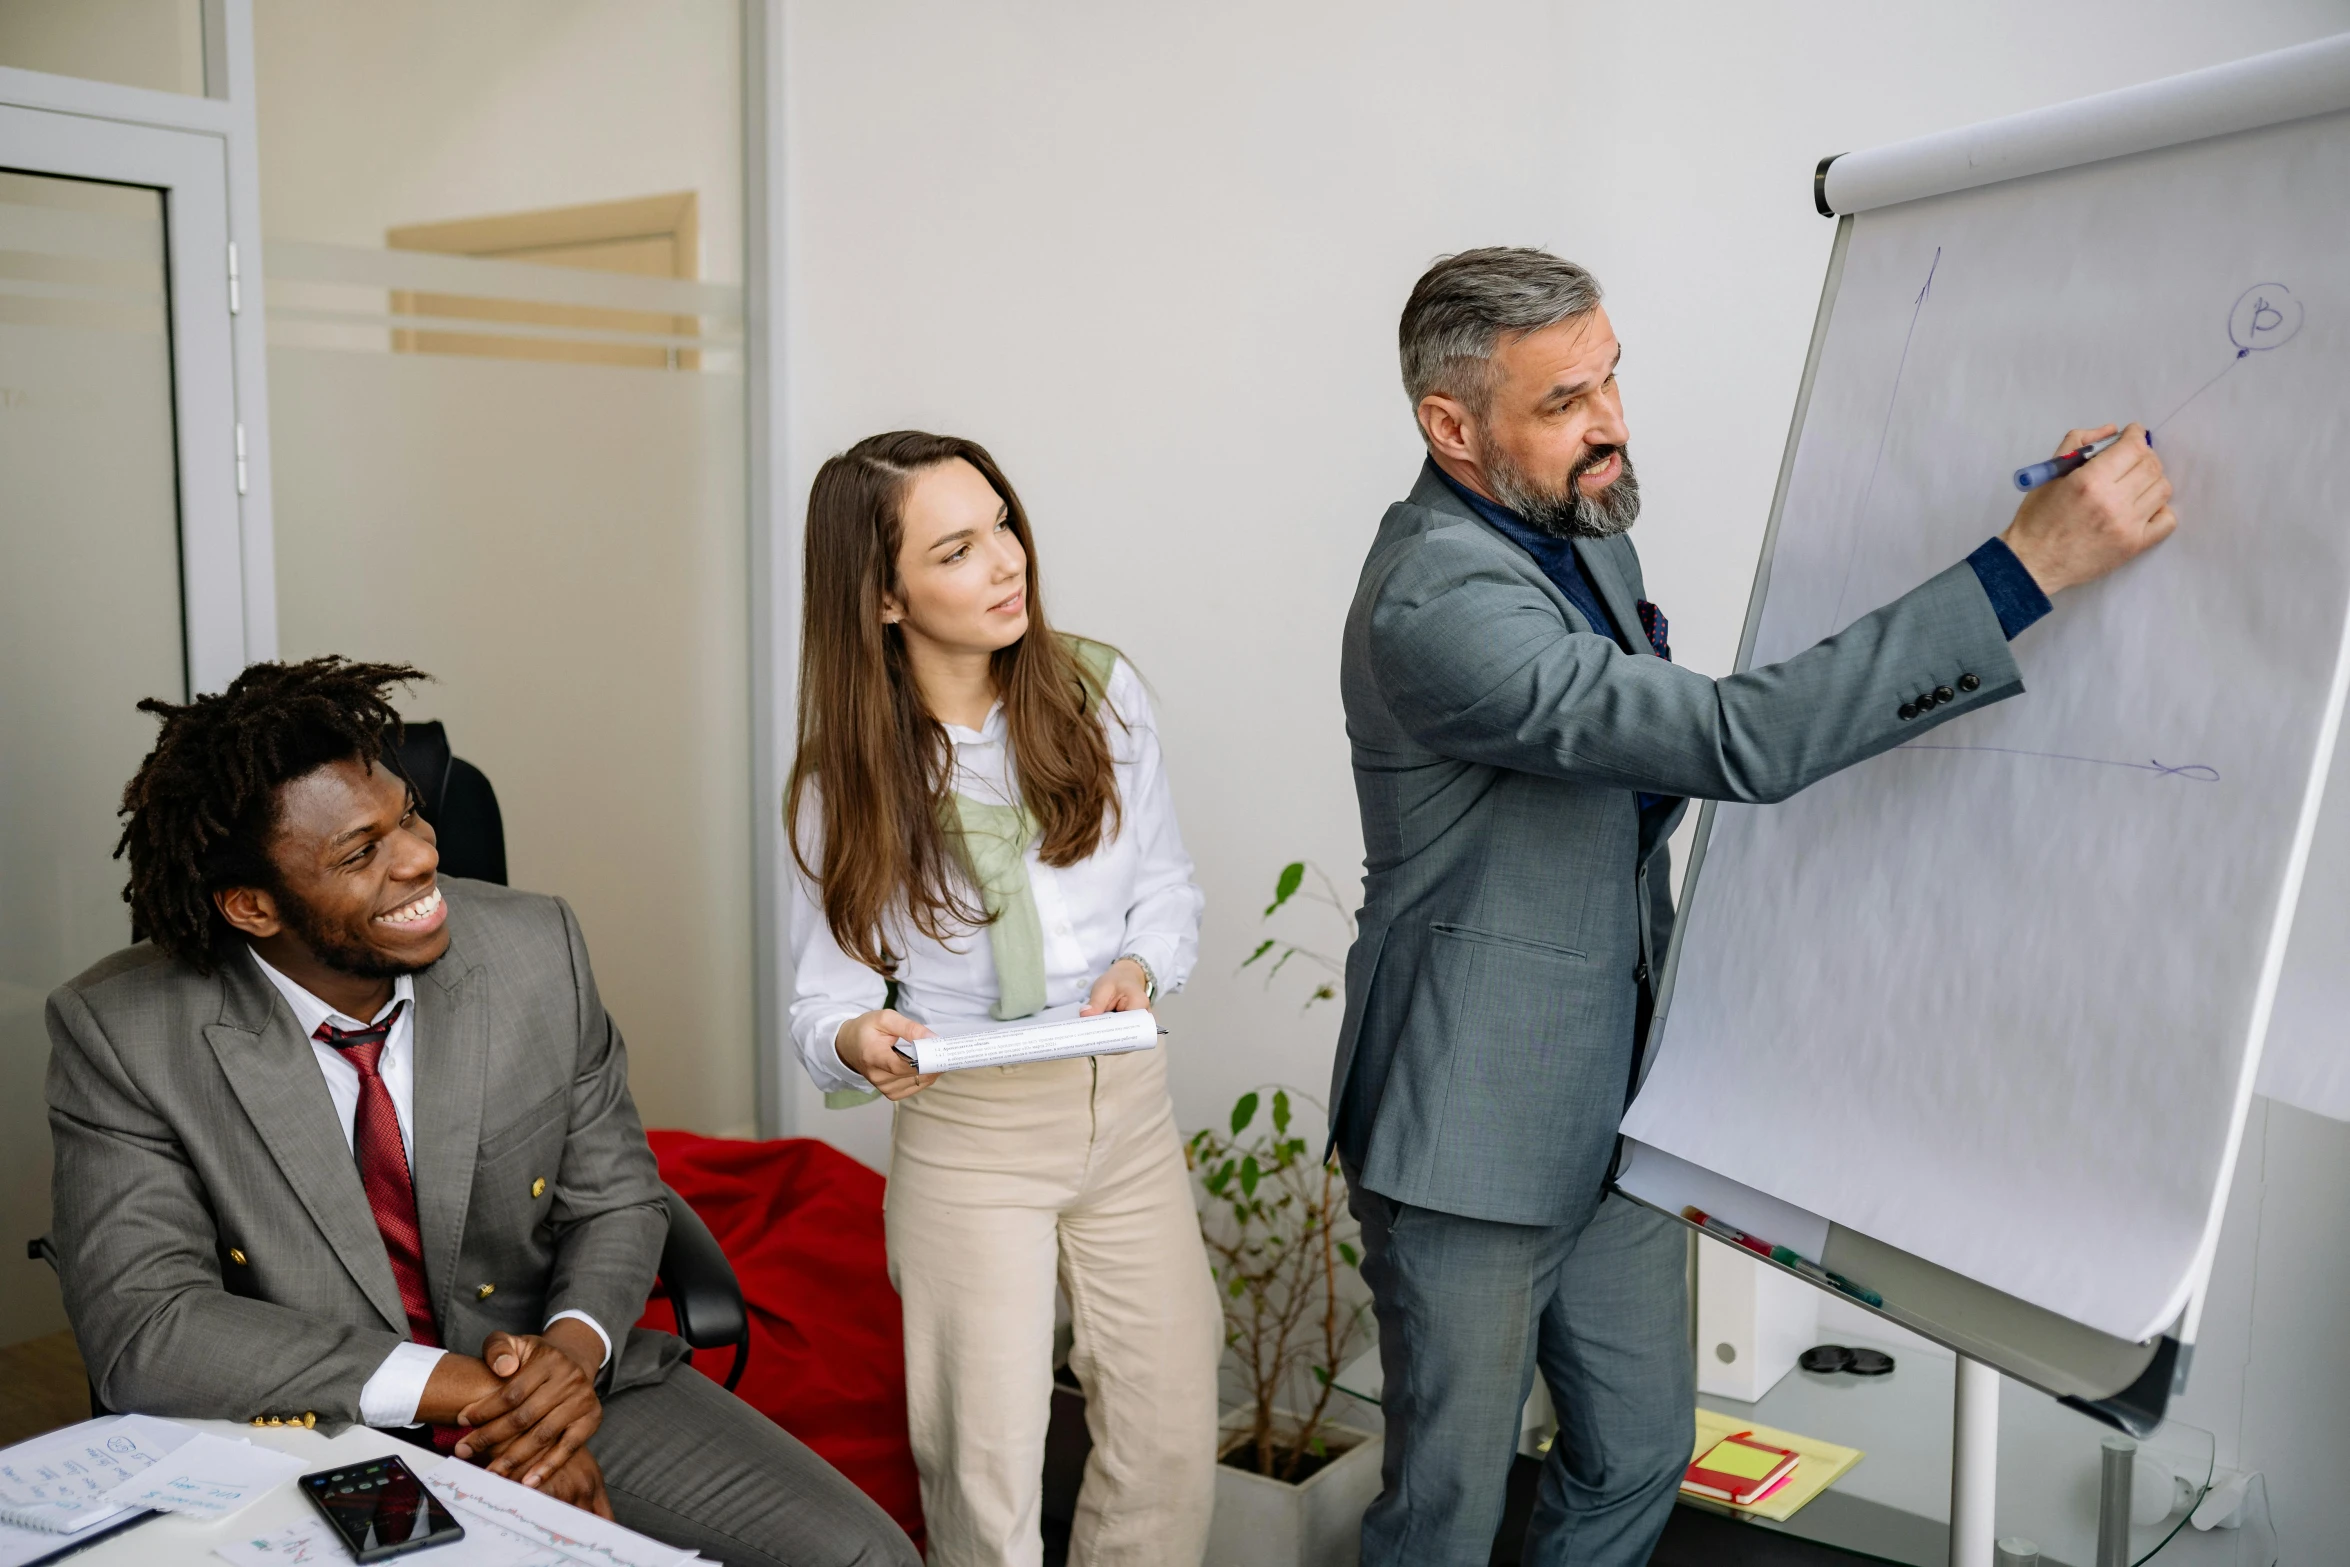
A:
(183, 1542)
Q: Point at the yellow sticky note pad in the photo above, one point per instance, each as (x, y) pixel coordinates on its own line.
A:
(1736, 1458)
(1822, 1463)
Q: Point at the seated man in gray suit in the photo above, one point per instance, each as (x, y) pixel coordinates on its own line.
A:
(338, 1121)
(1522, 746)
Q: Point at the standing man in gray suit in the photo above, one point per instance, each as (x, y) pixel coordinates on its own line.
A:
(339, 1120)
(1523, 745)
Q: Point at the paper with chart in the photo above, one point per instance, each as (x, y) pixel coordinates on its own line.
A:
(1994, 997)
(506, 1525)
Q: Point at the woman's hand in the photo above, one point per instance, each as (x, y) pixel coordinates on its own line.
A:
(1123, 987)
(867, 1046)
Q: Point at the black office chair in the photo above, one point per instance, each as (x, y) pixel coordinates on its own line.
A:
(456, 797)
(699, 1282)
(459, 802)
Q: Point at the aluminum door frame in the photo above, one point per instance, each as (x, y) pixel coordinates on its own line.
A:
(190, 169)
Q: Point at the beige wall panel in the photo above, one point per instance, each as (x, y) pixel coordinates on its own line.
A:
(562, 546)
(138, 43)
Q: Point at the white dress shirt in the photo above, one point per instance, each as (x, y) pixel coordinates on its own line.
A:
(391, 1395)
(1134, 895)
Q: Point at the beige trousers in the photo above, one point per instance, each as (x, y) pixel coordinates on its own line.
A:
(1000, 1179)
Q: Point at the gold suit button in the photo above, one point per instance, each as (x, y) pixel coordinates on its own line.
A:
(261, 1420)
(485, 1292)
(309, 1419)
(236, 1256)
(538, 1188)
(275, 1421)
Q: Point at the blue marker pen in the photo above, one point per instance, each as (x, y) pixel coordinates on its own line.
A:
(2057, 467)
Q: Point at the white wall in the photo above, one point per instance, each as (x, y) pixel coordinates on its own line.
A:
(1154, 258)
(373, 116)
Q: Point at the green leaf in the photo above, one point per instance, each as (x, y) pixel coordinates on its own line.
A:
(1321, 993)
(1293, 876)
(1250, 1175)
(1280, 1111)
(1322, 1375)
(1238, 1286)
(1244, 1112)
(1354, 1258)
(1263, 947)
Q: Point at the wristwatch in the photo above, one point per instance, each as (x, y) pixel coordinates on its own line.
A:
(1150, 981)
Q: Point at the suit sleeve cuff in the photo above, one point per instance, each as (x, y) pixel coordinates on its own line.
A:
(2015, 597)
(596, 1327)
(391, 1395)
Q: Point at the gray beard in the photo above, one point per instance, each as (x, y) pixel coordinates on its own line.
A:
(1568, 513)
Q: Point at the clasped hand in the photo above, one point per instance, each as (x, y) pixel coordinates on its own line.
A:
(531, 1403)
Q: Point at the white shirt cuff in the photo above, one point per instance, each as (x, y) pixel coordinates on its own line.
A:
(597, 1327)
(831, 1073)
(389, 1399)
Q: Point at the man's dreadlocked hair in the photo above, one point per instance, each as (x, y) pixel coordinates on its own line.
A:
(203, 805)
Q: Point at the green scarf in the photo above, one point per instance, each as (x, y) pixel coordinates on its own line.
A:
(993, 841)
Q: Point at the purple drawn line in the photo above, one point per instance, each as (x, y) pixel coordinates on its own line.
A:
(2241, 353)
(1917, 308)
(2193, 771)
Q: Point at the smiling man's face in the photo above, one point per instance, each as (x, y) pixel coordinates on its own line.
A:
(358, 898)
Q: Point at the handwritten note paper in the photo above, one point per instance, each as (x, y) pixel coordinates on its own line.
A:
(208, 1477)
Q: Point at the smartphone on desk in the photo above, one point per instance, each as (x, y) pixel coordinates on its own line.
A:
(380, 1509)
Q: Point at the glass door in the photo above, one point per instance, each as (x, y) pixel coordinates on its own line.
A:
(120, 575)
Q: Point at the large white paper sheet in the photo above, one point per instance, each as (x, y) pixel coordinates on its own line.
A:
(1995, 997)
(2306, 1061)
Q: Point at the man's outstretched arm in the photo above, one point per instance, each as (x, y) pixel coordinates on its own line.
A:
(1475, 663)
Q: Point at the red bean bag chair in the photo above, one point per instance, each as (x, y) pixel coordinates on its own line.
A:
(801, 1222)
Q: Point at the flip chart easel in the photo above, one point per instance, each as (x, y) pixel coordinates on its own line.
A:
(2124, 1380)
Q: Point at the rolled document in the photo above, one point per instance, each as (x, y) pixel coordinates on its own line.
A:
(1109, 1034)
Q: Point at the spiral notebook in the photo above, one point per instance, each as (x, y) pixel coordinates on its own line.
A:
(59, 1482)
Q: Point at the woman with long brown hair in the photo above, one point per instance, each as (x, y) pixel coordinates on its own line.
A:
(983, 831)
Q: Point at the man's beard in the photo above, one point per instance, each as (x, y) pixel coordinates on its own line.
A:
(334, 948)
(1568, 513)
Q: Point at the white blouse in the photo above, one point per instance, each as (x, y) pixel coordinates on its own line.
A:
(1134, 895)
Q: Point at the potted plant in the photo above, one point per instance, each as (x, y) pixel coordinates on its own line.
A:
(1292, 1482)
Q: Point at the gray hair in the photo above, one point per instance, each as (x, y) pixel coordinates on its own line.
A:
(1464, 305)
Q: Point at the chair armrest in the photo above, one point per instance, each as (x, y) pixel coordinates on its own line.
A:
(701, 1287)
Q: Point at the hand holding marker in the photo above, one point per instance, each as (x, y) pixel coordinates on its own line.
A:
(2057, 467)
(1785, 1256)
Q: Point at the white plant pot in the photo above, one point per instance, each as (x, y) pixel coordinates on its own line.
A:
(1271, 1523)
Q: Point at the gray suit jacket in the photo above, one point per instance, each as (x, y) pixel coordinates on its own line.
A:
(1514, 893)
(218, 1254)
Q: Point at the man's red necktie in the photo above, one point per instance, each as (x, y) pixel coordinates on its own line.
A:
(384, 1175)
